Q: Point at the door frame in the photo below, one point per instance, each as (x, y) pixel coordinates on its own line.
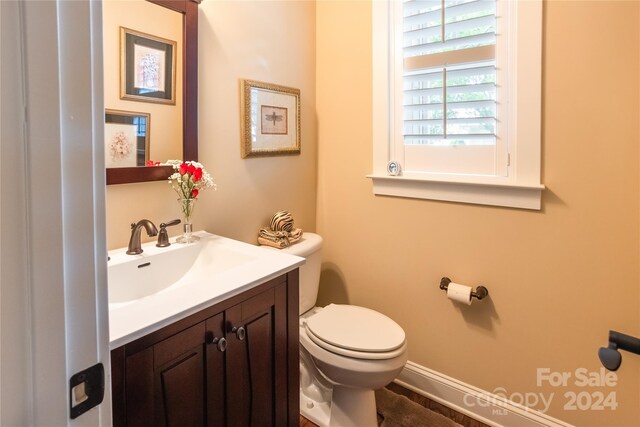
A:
(60, 316)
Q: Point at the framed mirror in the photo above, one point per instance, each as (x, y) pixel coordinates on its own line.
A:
(188, 63)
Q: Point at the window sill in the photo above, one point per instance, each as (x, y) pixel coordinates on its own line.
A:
(493, 194)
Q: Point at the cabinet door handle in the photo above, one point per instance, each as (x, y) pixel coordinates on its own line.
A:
(221, 343)
(239, 331)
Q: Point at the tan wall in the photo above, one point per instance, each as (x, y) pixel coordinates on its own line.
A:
(236, 41)
(559, 278)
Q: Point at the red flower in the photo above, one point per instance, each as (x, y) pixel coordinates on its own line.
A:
(194, 193)
(197, 174)
(183, 168)
(150, 163)
(191, 169)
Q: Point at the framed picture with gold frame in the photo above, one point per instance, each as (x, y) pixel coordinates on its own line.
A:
(270, 119)
(147, 67)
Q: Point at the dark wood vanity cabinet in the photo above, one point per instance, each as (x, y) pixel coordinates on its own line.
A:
(232, 364)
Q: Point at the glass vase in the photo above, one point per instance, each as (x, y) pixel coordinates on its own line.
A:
(187, 206)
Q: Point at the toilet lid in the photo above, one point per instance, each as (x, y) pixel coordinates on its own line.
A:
(355, 328)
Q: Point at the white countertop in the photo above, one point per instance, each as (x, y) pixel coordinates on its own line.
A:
(134, 319)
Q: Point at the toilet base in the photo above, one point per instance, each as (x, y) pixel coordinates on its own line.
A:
(349, 407)
(316, 412)
(353, 407)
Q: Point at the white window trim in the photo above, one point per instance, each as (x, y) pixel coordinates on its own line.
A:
(522, 187)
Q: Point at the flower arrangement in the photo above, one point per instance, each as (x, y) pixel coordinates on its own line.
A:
(188, 180)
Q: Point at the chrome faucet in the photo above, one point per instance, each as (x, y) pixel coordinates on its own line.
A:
(134, 242)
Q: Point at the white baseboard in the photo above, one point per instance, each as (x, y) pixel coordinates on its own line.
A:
(485, 407)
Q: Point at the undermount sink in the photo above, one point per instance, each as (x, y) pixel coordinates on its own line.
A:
(132, 277)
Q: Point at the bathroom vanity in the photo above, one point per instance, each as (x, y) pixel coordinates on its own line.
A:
(217, 347)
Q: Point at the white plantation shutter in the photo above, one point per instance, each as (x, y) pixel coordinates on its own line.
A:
(457, 100)
(447, 108)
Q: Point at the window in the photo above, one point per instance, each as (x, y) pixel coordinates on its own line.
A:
(457, 100)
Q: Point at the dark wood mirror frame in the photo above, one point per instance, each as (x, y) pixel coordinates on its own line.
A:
(189, 8)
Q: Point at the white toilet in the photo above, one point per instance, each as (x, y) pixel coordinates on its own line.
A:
(346, 351)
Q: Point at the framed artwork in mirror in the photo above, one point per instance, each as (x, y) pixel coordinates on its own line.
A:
(270, 119)
(188, 63)
(126, 137)
(147, 67)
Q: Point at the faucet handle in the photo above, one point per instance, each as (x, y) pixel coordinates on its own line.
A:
(163, 236)
(170, 223)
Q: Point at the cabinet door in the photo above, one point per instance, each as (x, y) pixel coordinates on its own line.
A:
(253, 360)
(179, 379)
(164, 383)
(216, 346)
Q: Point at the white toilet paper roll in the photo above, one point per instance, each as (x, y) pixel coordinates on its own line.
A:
(460, 293)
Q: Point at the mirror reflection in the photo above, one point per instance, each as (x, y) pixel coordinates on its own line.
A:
(143, 45)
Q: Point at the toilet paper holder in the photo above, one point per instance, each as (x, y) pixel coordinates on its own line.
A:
(480, 292)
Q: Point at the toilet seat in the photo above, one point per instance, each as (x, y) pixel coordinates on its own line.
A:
(356, 332)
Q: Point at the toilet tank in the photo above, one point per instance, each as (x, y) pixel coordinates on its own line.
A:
(310, 248)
